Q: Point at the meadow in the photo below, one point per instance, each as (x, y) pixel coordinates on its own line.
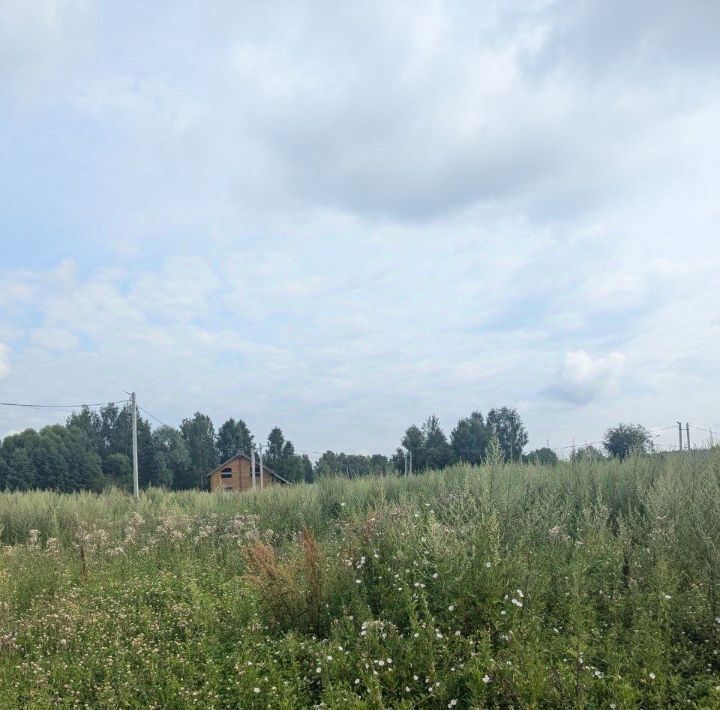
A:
(587, 585)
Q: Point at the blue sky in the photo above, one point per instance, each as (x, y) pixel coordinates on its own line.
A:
(343, 217)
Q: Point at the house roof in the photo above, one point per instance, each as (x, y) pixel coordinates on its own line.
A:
(240, 455)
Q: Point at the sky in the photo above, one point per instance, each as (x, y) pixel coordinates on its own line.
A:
(340, 218)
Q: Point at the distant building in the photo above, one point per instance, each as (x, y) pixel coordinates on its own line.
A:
(236, 475)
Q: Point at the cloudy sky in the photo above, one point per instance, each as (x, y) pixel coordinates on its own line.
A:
(343, 217)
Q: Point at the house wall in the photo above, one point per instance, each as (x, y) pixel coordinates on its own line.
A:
(241, 479)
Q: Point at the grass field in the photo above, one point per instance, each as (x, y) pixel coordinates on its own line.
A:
(594, 585)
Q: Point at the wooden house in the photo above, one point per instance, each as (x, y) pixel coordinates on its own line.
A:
(235, 474)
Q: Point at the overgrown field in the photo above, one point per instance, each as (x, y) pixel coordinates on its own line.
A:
(589, 585)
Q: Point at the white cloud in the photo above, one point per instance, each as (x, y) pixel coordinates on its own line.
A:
(340, 217)
(584, 378)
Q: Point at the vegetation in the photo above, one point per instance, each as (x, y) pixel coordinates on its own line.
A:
(469, 441)
(591, 583)
(624, 439)
(93, 451)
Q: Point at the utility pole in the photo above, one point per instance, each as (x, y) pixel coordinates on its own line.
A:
(687, 434)
(405, 459)
(680, 433)
(262, 476)
(252, 464)
(410, 452)
(136, 484)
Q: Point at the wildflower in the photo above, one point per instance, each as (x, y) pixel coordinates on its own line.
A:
(357, 681)
(488, 565)
(329, 658)
(407, 690)
(516, 602)
(451, 608)
(257, 690)
(435, 576)
(318, 669)
(452, 703)
(520, 594)
(667, 596)
(358, 581)
(652, 676)
(486, 678)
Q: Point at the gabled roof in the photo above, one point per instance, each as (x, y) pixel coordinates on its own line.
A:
(240, 455)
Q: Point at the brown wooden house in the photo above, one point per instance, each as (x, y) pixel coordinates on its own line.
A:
(236, 475)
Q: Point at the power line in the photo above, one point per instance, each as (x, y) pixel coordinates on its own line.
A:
(152, 416)
(61, 406)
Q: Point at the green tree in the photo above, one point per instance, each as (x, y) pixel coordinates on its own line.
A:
(469, 439)
(543, 456)
(624, 439)
(308, 471)
(175, 466)
(199, 436)
(414, 442)
(437, 451)
(509, 429)
(118, 471)
(280, 456)
(233, 437)
(586, 453)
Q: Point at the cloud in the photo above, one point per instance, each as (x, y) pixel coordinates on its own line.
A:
(584, 378)
(340, 217)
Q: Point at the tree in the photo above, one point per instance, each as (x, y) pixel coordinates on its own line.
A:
(510, 432)
(175, 466)
(586, 453)
(118, 471)
(308, 471)
(543, 456)
(233, 437)
(280, 456)
(437, 452)
(414, 442)
(624, 439)
(469, 439)
(199, 436)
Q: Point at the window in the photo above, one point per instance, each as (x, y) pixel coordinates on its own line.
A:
(226, 473)
(228, 489)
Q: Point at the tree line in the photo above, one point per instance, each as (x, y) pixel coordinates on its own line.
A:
(93, 450)
(468, 442)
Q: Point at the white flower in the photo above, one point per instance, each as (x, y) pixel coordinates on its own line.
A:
(520, 594)
(435, 576)
(318, 669)
(488, 565)
(451, 608)
(357, 681)
(652, 676)
(257, 690)
(486, 678)
(516, 602)
(452, 703)
(329, 658)
(667, 596)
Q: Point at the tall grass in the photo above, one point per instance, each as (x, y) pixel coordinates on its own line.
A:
(580, 585)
